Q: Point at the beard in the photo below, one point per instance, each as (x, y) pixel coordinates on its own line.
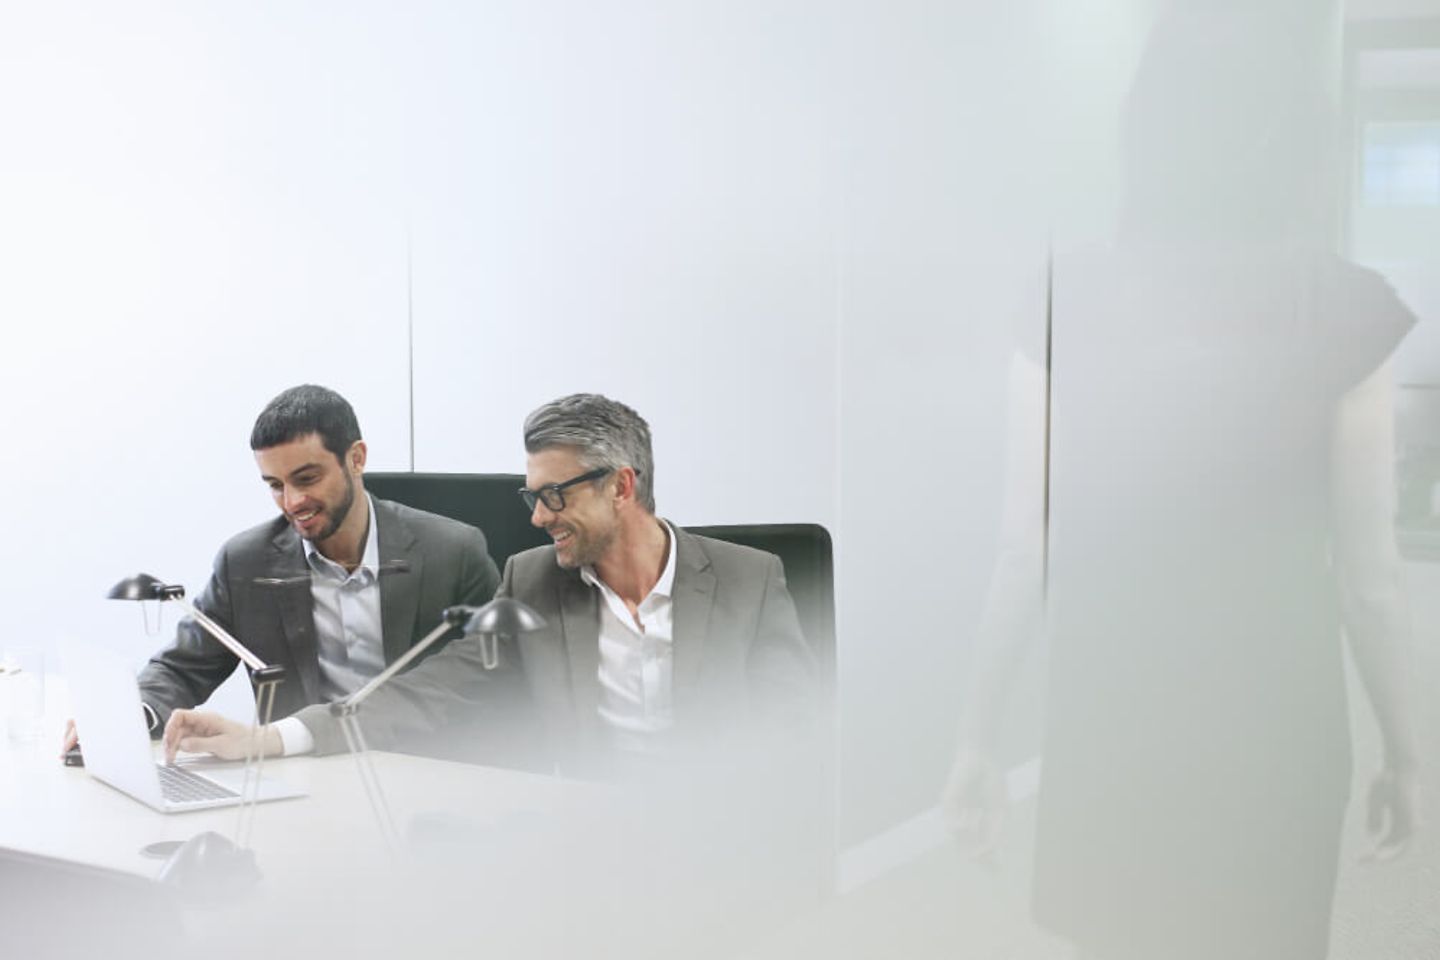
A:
(338, 513)
(585, 548)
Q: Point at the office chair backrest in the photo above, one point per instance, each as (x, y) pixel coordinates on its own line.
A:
(485, 500)
(805, 550)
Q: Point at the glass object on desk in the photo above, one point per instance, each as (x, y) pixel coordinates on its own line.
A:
(22, 692)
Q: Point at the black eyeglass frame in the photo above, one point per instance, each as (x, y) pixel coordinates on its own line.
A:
(545, 493)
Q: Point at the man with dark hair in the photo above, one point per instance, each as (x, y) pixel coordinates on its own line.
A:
(657, 642)
(335, 588)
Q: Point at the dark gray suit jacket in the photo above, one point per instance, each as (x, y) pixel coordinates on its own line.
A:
(260, 592)
(740, 662)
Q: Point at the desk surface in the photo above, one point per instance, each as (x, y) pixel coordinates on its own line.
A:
(471, 833)
(525, 865)
(53, 810)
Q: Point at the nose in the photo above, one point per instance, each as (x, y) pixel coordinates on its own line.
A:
(541, 515)
(291, 499)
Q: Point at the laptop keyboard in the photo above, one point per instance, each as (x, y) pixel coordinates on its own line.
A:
(179, 785)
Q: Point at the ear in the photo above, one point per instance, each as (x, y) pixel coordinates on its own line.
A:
(355, 457)
(625, 483)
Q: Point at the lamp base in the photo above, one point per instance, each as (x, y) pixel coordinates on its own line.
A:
(209, 867)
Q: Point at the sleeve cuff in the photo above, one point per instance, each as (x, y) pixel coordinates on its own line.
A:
(152, 718)
(295, 737)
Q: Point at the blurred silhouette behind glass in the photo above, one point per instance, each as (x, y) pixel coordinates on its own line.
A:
(1219, 503)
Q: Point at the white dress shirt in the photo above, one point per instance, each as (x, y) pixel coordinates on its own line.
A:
(637, 658)
(348, 630)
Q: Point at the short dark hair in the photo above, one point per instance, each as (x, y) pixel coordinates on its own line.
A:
(603, 432)
(303, 410)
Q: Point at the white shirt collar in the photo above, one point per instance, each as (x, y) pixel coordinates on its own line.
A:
(663, 587)
(370, 560)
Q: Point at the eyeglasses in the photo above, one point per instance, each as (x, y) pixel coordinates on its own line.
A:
(551, 494)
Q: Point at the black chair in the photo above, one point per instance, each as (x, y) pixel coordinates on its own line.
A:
(806, 553)
(485, 500)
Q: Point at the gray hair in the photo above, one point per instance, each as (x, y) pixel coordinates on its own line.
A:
(603, 433)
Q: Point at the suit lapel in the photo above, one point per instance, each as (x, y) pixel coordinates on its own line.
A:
(579, 606)
(694, 595)
(401, 569)
(290, 583)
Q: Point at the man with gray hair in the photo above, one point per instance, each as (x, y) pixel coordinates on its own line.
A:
(658, 642)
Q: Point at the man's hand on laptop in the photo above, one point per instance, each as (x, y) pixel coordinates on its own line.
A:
(200, 731)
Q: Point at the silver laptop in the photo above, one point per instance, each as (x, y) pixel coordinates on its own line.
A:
(117, 748)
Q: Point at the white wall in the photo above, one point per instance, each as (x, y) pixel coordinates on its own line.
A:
(191, 223)
(204, 204)
(641, 202)
(801, 238)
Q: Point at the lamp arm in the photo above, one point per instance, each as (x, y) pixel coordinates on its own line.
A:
(345, 712)
(220, 634)
(352, 702)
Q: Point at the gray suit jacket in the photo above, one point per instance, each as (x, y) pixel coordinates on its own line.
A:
(740, 663)
(260, 592)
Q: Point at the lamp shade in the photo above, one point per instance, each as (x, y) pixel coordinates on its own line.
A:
(142, 586)
(504, 617)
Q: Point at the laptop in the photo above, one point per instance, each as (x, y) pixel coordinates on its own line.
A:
(111, 724)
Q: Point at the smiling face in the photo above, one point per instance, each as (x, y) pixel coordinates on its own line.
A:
(588, 524)
(313, 488)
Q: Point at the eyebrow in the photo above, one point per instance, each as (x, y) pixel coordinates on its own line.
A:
(312, 465)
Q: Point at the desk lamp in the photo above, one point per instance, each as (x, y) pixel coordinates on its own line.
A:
(208, 852)
(503, 617)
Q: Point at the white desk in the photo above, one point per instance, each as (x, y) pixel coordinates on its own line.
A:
(54, 810)
(482, 852)
(497, 863)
